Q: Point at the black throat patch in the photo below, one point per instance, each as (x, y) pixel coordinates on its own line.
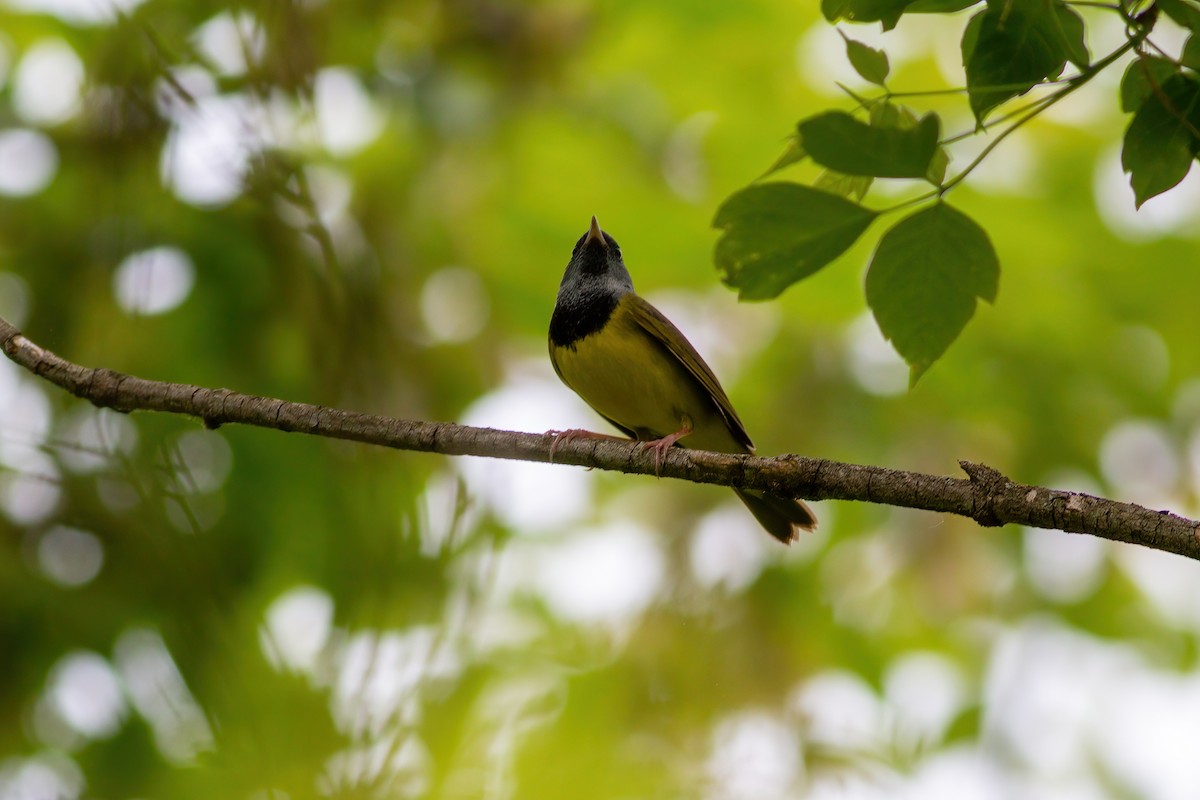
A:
(580, 313)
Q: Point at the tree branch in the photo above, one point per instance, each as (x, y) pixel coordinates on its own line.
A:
(985, 496)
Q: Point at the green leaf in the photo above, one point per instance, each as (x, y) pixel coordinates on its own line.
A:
(1182, 13)
(1162, 138)
(833, 10)
(887, 12)
(889, 115)
(938, 166)
(849, 186)
(1015, 45)
(793, 153)
(971, 36)
(924, 279)
(868, 62)
(1190, 57)
(1142, 77)
(1071, 35)
(775, 234)
(939, 6)
(839, 141)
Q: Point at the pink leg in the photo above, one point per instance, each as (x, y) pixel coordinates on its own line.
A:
(576, 433)
(661, 446)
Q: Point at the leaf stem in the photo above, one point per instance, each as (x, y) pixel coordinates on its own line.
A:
(1022, 115)
(997, 87)
(928, 92)
(1005, 117)
(1037, 108)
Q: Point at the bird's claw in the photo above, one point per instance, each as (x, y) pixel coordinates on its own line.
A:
(567, 435)
(661, 446)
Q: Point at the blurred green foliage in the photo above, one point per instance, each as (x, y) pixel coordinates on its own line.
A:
(369, 205)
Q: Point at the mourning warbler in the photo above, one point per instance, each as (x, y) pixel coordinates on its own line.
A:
(630, 364)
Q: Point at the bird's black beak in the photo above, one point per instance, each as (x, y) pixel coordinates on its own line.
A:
(594, 234)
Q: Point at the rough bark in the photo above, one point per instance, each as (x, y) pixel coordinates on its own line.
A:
(985, 495)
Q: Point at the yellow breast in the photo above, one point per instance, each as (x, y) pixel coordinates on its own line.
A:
(635, 382)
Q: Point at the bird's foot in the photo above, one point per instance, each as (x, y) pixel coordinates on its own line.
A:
(661, 446)
(574, 433)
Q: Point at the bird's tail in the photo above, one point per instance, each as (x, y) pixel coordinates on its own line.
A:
(783, 517)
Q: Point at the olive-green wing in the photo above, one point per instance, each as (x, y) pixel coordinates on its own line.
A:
(651, 320)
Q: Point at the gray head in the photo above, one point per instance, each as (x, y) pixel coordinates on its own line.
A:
(591, 288)
(596, 262)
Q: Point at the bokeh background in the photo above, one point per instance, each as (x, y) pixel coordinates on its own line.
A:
(369, 205)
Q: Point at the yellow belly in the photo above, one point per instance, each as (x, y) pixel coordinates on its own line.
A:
(632, 380)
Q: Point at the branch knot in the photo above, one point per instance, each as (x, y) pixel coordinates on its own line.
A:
(987, 484)
(104, 389)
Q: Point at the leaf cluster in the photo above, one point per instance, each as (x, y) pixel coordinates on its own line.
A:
(930, 268)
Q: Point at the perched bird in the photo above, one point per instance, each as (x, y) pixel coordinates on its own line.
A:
(630, 364)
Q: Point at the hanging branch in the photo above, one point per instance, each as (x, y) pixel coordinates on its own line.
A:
(985, 496)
